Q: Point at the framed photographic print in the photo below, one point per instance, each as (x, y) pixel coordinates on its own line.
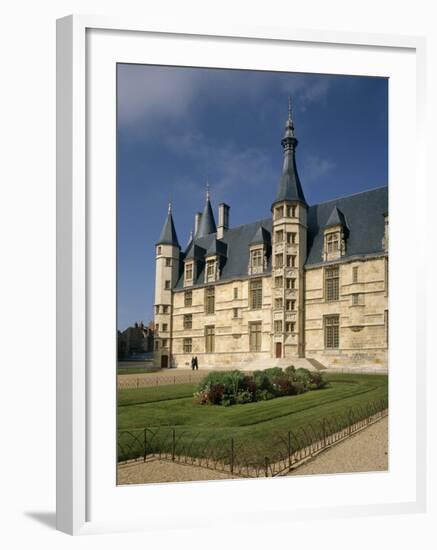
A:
(233, 324)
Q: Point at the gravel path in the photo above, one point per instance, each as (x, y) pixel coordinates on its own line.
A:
(157, 471)
(366, 451)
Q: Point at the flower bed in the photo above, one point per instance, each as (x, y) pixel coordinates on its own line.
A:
(236, 387)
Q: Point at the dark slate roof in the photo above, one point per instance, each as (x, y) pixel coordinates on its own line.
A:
(207, 222)
(336, 217)
(237, 240)
(217, 248)
(261, 236)
(194, 251)
(168, 233)
(364, 215)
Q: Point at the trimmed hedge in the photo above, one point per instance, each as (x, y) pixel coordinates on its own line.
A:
(237, 387)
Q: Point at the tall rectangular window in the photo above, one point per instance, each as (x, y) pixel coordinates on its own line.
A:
(278, 326)
(257, 258)
(210, 270)
(256, 293)
(279, 260)
(167, 285)
(355, 299)
(209, 300)
(235, 293)
(291, 237)
(332, 330)
(332, 283)
(291, 211)
(188, 298)
(332, 242)
(209, 339)
(355, 274)
(164, 327)
(188, 321)
(187, 345)
(290, 326)
(255, 336)
(278, 282)
(165, 309)
(279, 236)
(279, 212)
(235, 312)
(290, 305)
(278, 303)
(291, 260)
(189, 272)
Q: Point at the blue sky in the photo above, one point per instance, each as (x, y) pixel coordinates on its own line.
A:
(179, 126)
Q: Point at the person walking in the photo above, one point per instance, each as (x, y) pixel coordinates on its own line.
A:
(196, 363)
(193, 363)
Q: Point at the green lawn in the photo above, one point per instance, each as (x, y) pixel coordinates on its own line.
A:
(255, 428)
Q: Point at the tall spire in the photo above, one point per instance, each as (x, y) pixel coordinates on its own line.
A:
(168, 233)
(289, 184)
(207, 222)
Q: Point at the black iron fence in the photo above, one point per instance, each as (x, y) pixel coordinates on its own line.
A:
(240, 457)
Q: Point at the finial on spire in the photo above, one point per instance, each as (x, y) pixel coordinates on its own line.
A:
(289, 107)
(207, 188)
(169, 207)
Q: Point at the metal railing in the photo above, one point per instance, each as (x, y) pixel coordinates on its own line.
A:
(241, 458)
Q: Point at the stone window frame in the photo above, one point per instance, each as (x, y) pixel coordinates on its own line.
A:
(187, 345)
(188, 321)
(164, 327)
(356, 299)
(332, 242)
(331, 279)
(292, 304)
(277, 325)
(279, 281)
(278, 303)
(188, 298)
(331, 331)
(290, 327)
(167, 284)
(279, 236)
(164, 343)
(256, 293)
(188, 273)
(279, 260)
(291, 237)
(235, 313)
(209, 339)
(255, 336)
(355, 273)
(168, 262)
(279, 212)
(235, 293)
(256, 258)
(159, 250)
(291, 210)
(291, 260)
(210, 300)
(165, 309)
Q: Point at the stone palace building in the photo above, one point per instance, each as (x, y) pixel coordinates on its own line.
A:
(306, 285)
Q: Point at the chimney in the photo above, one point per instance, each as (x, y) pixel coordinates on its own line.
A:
(197, 217)
(223, 219)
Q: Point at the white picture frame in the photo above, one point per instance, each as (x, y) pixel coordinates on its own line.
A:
(76, 212)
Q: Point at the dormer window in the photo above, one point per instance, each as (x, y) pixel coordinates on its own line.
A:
(332, 241)
(189, 272)
(210, 271)
(256, 258)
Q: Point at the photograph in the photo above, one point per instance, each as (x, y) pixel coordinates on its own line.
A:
(252, 274)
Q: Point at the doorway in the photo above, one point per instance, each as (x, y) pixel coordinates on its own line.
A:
(278, 350)
(164, 361)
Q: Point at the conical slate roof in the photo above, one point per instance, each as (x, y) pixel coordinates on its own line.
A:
(207, 222)
(336, 217)
(168, 233)
(261, 235)
(290, 187)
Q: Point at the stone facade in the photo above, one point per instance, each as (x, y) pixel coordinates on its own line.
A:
(309, 282)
